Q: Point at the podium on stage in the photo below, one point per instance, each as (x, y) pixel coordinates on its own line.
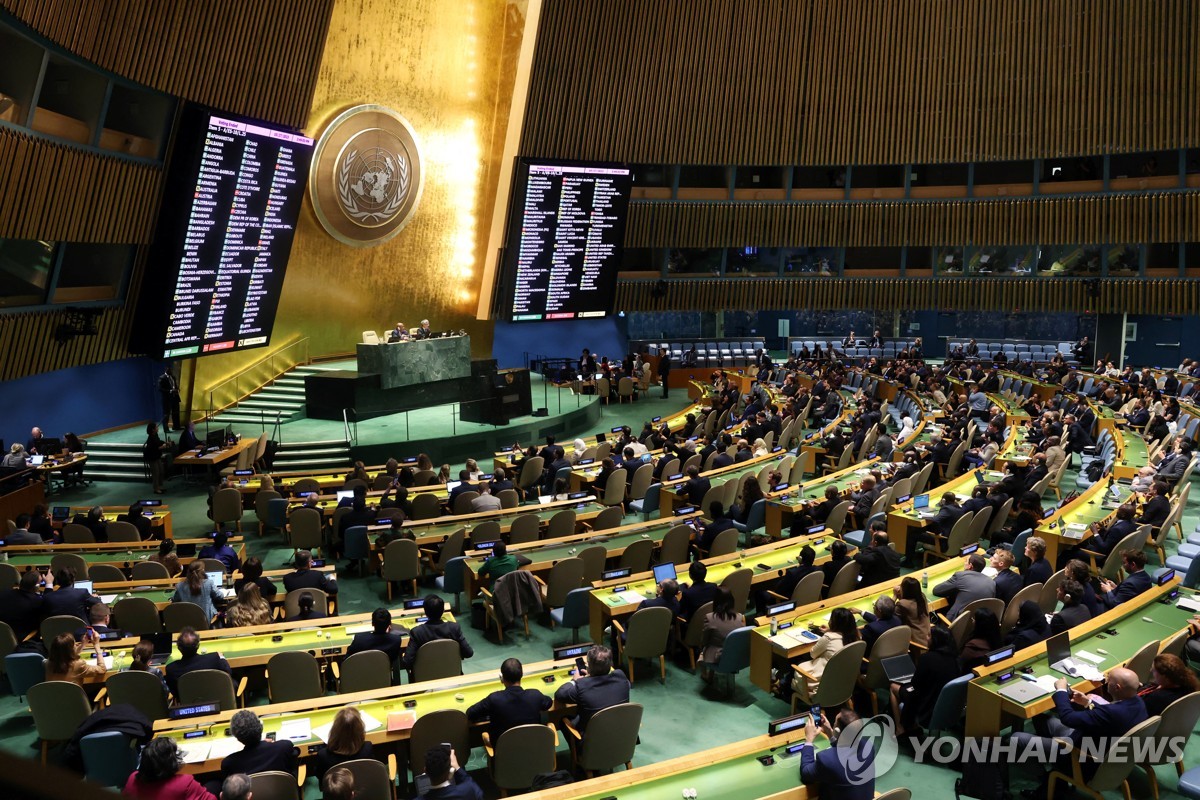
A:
(417, 362)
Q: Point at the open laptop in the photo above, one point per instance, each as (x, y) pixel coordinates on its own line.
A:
(345, 495)
(36, 461)
(85, 585)
(899, 669)
(664, 572)
(1058, 653)
(921, 506)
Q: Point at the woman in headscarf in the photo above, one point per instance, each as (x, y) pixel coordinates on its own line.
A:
(579, 448)
(1031, 626)
(906, 430)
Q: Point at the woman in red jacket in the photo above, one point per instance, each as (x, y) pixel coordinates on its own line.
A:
(158, 778)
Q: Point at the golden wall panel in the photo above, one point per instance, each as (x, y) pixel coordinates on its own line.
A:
(1109, 296)
(857, 82)
(445, 67)
(1112, 218)
(253, 57)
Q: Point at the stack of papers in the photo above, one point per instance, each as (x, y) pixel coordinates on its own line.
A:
(194, 752)
(224, 747)
(353, 629)
(108, 599)
(1189, 603)
(630, 597)
(298, 730)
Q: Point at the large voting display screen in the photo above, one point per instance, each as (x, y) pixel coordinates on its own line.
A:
(229, 214)
(566, 239)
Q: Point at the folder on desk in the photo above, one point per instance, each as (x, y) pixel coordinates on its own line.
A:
(398, 721)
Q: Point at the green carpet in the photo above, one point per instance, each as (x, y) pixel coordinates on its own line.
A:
(680, 717)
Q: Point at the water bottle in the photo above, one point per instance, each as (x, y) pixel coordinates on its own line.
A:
(774, 625)
(924, 580)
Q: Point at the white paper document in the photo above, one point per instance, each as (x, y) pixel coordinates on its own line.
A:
(298, 730)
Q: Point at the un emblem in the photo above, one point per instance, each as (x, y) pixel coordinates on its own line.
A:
(366, 176)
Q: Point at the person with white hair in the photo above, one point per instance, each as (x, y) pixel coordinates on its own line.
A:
(422, 332)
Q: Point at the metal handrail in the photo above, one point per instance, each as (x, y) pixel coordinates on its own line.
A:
(274, 372)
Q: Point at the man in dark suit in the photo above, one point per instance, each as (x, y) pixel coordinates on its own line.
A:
(789, 580)
(447, 780)
(306, 578)
(1077, 717)
(21, 607)
(966, 586)
(1157, 505)
(558, 462)
(596, 688)
(422, 332)
(66, 600)
(1172, 466)
(1008, 582)
(666, 596)
(221, 551)
(1136, 580)
(464, 485)
(695, 487)
(1079, 435)
(22, 535)
(136, 517)
(94, 522)
(882, 619)
(698, 592)
(257, 754)
(825, 770)
(664, 371)
(190, 659)
(512, 705)
(381, 637)
(878, 561)
(1103, 540)
(949, 512)
(718, 525)
(99, 618)
(434, 628)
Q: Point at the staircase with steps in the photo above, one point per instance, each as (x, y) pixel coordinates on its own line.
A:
(284, 395)
(312, 456)
(114, 461)
(122, 461)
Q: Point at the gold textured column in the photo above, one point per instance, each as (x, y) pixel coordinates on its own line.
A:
(448, 68)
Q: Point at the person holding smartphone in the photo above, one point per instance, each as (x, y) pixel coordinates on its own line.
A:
(444, 779)
(825, 769)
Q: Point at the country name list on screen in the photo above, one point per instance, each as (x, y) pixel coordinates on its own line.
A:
(247, 194)
(569, 249)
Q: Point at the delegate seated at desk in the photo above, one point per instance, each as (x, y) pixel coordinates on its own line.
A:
(399, 334)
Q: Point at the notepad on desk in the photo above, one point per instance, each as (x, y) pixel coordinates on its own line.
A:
(630, 597)
(194, 752)
(224, 747)
(353, 629)
(108, 599)
(297, 730)
(401, 721)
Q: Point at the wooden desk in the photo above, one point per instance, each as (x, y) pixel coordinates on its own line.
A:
(765, 650)
(254, 645)
(988, 711)
(767, 562)
(159, 516)
(210, 460)
(162, 590)
(1093, 505)
(458, 692)
(729, 772)
(435, 531)
(121, 555)
(546, 553)
(782, 505)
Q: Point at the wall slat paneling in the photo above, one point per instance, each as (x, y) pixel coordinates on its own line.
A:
(1112, 218)
(253, 57)
(1157, 296)
(62, 193)
(830, 82)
